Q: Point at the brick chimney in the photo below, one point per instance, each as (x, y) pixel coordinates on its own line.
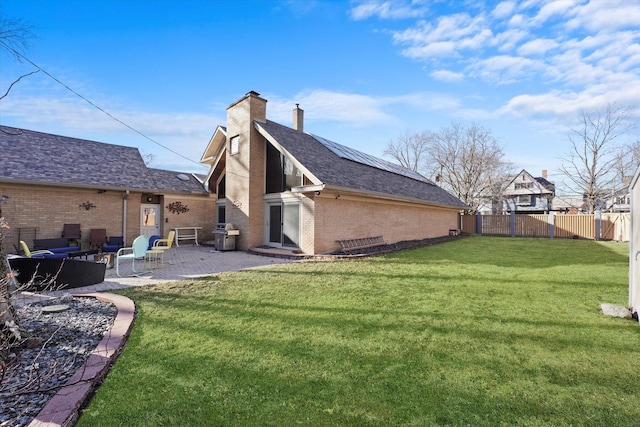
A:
(544, 173)
(298, 118)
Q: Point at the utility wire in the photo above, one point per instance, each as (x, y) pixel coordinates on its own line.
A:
(15, 52)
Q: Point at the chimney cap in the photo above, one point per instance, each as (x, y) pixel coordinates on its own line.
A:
(253, 92)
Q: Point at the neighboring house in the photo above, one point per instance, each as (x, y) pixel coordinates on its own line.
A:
(528, 194)
(48, 180)
(616, 200)
(283, 187)
(571, 204)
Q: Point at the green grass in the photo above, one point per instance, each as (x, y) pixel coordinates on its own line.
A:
(480, 331)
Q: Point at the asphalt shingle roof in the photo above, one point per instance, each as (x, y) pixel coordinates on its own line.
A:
(337, 171)
(42, 158)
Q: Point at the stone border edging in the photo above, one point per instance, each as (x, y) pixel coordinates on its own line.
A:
(64, 408)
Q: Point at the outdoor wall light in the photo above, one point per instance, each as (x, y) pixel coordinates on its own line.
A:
(337, 196)
(4, 199)
(317, 193)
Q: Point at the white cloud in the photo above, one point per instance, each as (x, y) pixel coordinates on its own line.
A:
(576, 53)
(504, 69)
(322, 104)
(448, 36)
(388, 9)
(354, 109)
(554, 9)
(447, 76)
(607, 15)
(537, 47)
(504, 9)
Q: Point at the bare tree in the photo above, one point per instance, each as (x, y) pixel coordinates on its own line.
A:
(411, 150)
(15, 37)
(470, 163)
(598, 157)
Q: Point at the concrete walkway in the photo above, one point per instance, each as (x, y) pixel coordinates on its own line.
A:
(180, 263)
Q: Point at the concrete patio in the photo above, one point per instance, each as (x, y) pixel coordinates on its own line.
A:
(180, 263)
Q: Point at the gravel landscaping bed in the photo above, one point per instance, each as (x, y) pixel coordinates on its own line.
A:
(57, 344)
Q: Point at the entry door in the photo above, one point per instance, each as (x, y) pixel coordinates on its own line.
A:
(284, 224)
(150, 220)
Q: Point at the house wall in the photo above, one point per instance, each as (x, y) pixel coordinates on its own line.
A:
(245, 170)
(350, 217)
(48, 208)
(201, 213)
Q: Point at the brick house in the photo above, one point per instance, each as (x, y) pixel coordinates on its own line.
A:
(283, 187)
(48, 180)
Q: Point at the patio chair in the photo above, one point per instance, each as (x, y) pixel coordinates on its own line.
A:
(39, 254)
(137, 250)
(113, 244)
(98, 237)
(164, 244)
(160, 246)
(71, 231)
(152, 240)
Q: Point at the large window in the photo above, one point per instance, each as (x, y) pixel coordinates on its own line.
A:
(281, 174)
(222, 188)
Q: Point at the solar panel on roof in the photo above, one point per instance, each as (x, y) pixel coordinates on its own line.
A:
(369, 160)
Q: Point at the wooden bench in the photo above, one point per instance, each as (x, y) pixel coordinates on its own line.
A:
(363, 243)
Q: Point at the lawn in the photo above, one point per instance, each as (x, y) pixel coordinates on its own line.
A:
(480, 331)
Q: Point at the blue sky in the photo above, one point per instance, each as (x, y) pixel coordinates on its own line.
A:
(364, 71)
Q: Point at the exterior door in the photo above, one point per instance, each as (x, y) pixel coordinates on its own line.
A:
(283, 224)
(150, 220)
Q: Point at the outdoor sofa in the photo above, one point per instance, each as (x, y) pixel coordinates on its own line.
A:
(58, 245)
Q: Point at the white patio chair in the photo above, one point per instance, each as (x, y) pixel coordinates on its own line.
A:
(137, 250)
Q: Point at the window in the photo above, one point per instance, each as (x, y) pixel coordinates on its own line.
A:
(222, 185)
(281, 174)
(221, 214)
(524, 199)
(523, 185)
(235, 144)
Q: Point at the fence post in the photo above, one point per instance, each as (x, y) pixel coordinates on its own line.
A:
(478, 223)
(512, 224)
(597, 217)
(552, 222)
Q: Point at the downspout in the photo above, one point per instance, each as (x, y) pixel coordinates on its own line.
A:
(124, 217)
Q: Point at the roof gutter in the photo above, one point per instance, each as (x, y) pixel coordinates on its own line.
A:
(385, 196)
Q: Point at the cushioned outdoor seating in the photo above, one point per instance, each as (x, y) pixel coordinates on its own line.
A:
(113, 244)
(55, 245)
(152, 240)
(138, 250)
(42, 253)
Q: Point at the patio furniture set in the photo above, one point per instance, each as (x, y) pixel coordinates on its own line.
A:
(59, 263)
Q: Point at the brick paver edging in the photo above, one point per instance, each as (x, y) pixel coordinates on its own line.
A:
(63, 409)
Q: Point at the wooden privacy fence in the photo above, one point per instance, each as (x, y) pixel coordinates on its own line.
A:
(602, 226)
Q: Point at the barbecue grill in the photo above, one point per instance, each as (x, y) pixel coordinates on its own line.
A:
(225, 237)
